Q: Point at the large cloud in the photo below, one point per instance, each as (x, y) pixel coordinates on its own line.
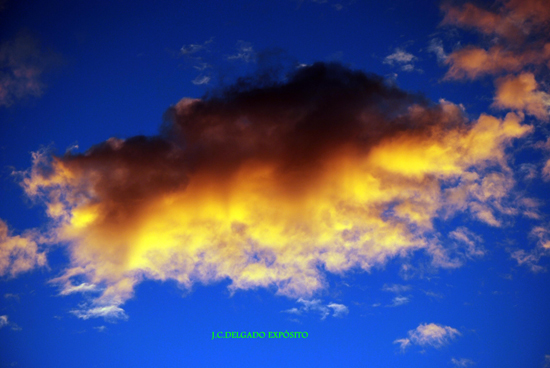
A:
(266, 184)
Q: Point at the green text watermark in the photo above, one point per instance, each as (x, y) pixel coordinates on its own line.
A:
(259, 335)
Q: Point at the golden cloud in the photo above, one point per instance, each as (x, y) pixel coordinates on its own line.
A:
(521, 93)
(271, 186)
(519, 38)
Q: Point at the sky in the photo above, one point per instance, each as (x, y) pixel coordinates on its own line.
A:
(293, 182)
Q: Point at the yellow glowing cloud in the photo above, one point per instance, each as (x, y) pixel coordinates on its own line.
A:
(270, 195)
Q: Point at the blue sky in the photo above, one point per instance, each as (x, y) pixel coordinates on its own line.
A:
(372, 173)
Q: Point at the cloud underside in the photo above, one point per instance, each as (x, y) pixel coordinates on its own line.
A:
(266, 185)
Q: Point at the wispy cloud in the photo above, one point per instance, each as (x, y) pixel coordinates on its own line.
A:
(428, 335)
(4, 322)
(399, 300)
(401, 58)
(433, 294)
(109, 313)
(193, 49)
(339, 310)
(396, 288)
(195, 54)
(201, 79)
(529, 259)
(463, 362)
(12, 296)
(245, 52)
(22, 63)
(81, 288)
(317, 306)
(19, 253)
(471, 241)
(436, 47)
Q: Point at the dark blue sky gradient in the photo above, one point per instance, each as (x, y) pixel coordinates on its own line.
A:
(116, 67)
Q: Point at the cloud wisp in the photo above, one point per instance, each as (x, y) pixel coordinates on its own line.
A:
(22, 63)
(317, 306)
(405, 60)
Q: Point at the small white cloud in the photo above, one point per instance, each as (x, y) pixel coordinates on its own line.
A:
(399, 56)
(317, 306)
(433, 294)
(191, 49)
(399, 300)
(403, 59)
(293, 311)
(463, 362)
(404, 343)
(12, 296)
(245, 52)
(3, 321)
(529, 259)
(470, 240)
(396, 288)
(109, 312)
(82, 288)
(428, 335)
(436, 47)
(340, 310)
(100, 328)
(201, 79)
